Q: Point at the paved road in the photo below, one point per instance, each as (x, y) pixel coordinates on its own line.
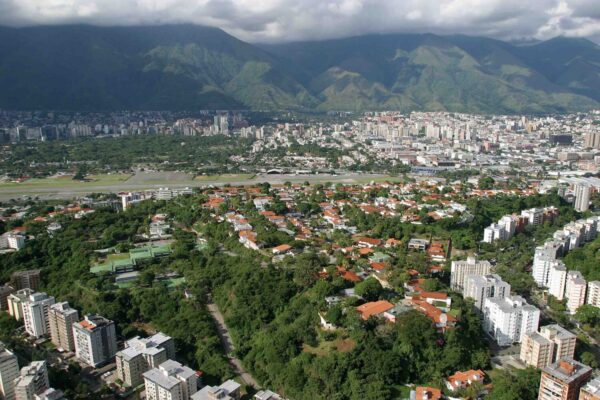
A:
(228, 345)
(70, 191)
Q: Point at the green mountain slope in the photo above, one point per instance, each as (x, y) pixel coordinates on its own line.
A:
(161, 67)
(456, 73)
(187, 67)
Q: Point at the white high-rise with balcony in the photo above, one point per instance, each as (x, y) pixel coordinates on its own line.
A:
(35, 314)
(508, 319)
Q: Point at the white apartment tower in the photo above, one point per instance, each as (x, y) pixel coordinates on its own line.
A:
(95, 340)
(461, 270)
(543, 259)
(557, 280)
(170, 381)
(508, 319)
(481, 287)
(35, 314)
(593, 293)
(141, 355)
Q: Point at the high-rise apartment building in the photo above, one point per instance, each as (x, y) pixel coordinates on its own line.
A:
(95, 340)
(141, 355)
(551, 344)
(557, 280)
(228, 390)
(592, 140)
(461, 270)
(481, 287)
(61, 319)
(32, 380)
(563, 380)
(591, 390)
(575, 290)
(35, 314)
(170, 381)
(536, 350)
(593, 293)
(15, 303)
(544, 257)
(5, 291)
(582, 197)
(26, 279)
(9, 371)
(508, 319)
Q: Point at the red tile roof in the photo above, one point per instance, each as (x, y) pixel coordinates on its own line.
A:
(374, 308)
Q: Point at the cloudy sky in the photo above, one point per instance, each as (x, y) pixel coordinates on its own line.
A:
(287, 20)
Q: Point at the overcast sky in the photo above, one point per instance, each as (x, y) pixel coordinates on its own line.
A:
(287, 20)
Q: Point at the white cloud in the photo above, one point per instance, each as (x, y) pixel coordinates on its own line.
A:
(285, 20)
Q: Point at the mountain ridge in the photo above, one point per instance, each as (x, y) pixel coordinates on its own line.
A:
(187, 67)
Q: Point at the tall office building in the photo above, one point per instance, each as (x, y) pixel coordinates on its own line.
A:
(35, 314)
(95, 340)
(509, 319)
(575, 291)
(551, 344)
(61, 318)
(563, 380)
(481, 287)
(170, 381)
(141, 355)
(582, 197)
(593, 293)
(15, 303)
(26, 279)
(32, 380)
(461, 270)
(9, 371)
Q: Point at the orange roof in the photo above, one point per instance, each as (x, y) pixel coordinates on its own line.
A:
(268, 213)
(282, 248)
(351, 276)
(432, 312)
(374, 308)
(428, 393)
(434, 295)
(87, 325)
(371, 241)
(463, 379)
(364, 251)
(379, 266)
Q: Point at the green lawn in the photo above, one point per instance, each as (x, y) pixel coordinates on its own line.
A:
(67, 181)
(325, 347)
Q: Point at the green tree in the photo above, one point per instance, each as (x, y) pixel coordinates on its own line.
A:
(370, 289)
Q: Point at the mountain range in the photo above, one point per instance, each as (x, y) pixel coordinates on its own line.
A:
(190, 67)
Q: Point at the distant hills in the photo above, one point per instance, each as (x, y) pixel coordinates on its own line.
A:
(188, 67)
